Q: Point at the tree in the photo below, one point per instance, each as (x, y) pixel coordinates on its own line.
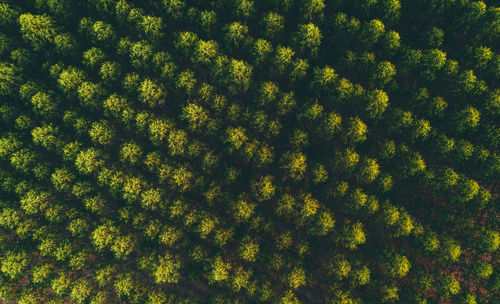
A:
(389, 294)
(283, 58)
(297, 278)
(249, 250)
(101, 31)
(372, 31)
(384, 72)
(38, 30)
(368, 170)
(181, 179)
(356, 130)
(468, 118)
(220, 270)
(110, 71)
(448, 285)
(313, 9)
(23, 160)
(235, 33)
(236, 137)
(241, 279)
(170, 236)
(196, 116)
(88, 161)
(324, 78)
(187, 82)
(261, 51)
(339, 267)
(94, 57)
(208, 20)
(9, 79)
(151, 93)
(206, 51)
(397, 265)
(90, 94)
(273, 23)
(353, 235)
(81, 291)
(451, 250)
(243, 210)
(63, 179)
(44, 104)
(70, 79)
(295, 165)
(102, 132)
(152, 26)
(174, 7)
(309, 38)
(360, 276)
(240, 74)
(310, 206)
(13, 264)
(488, 241)
(140, 53)
(131, 153)
(264, 188)
(123, 246)
(47, 136)
(483, 270)
(434, 59)
(8, 15)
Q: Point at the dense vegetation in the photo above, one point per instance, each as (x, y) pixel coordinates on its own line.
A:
(249, 151)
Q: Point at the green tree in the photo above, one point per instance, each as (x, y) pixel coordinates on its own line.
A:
(94, 57)
(295, 165)
(261, 51)
(152, 26)
(356, 130)
(8, 15)
(240, 74)
(131, 153)
(313, 9)
(9, 78)
(44, 104)
(81, 291)
(264, 188)
(468, 118)
(235, 33)
(47, 136)
(378, 101)
(14, 264)
(110, 71)
(372, 31)
(398, 265)
(90, 94)
(220, 270)
(70, 79)
(249, 250)
(368, 170)
(488, 241)
(274, 24)
(88, 161)
(151, 93)
(353, 235)
(309, 38)
(448, 285)
(297, 278)
(38, 30)
(63, 179)
(102, 132)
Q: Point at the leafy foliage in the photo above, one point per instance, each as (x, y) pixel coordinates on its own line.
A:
(249, 151)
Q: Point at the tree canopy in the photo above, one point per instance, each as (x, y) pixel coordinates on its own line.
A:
(249, 151)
